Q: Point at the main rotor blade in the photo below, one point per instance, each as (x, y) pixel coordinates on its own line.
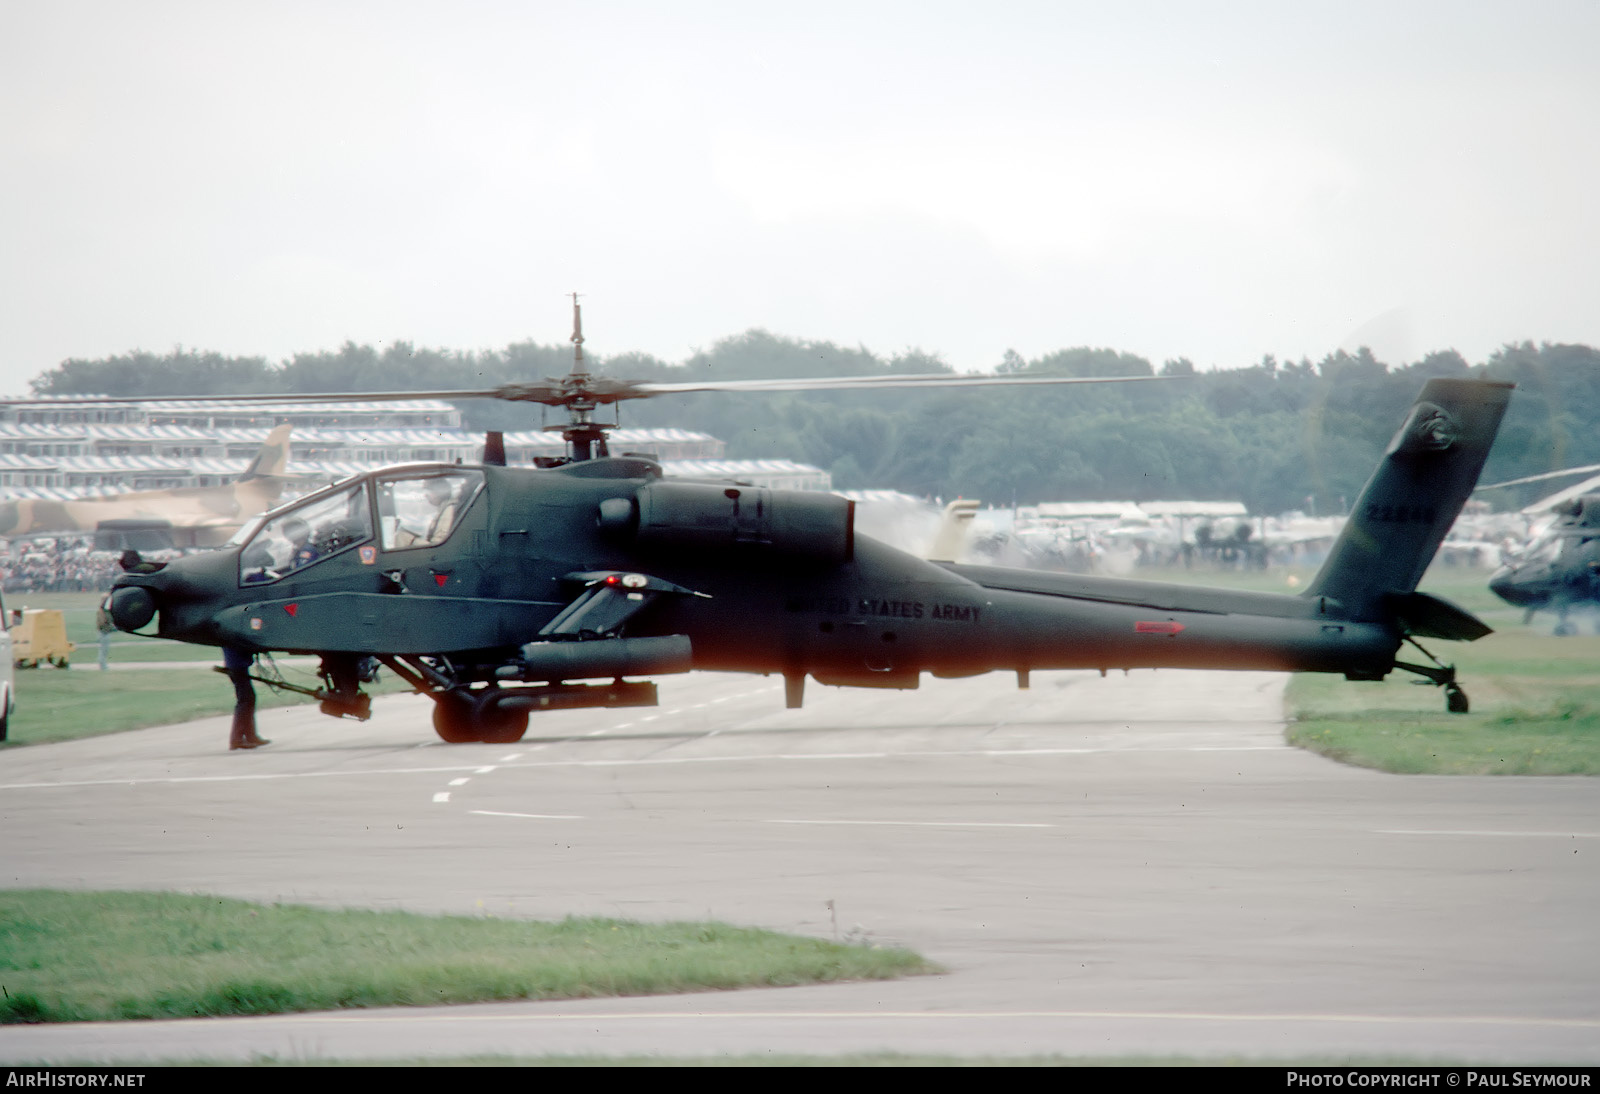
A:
(872, 383)
(590, 389)
(1540, 478)
(252, 399)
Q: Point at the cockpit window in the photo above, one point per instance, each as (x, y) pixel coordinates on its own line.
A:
(422, 510)
(295, 538)
(246, 530)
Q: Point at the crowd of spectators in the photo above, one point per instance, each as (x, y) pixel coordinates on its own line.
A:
(65, 565)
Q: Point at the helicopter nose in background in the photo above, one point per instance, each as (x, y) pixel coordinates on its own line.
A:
(1513, 589)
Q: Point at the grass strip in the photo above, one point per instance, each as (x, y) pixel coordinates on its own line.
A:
(99, 956)
(873, 1059)
(1535, 711)
(60, 706)
(1535, 697)
(78, 612)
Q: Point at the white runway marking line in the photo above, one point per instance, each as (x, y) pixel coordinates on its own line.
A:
(1484, 832)
(484, 771)
(442, 796)
(179, 779)
(526, 816)
(463, 781)
(918, 824)
(786, 757)
(707, 1015)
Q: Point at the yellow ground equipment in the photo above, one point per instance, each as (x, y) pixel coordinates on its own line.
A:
(38, 635)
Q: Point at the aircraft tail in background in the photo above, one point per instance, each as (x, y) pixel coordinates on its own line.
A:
(273, 459)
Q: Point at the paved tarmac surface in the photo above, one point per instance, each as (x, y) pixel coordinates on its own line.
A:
(1128, 866)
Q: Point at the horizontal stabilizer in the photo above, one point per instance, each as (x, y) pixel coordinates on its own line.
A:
(1425, 616)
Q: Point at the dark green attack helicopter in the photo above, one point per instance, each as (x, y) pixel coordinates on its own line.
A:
(500, 591)
(1559, 569)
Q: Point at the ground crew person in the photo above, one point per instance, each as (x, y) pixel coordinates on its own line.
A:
(103, 624)
(237, 663)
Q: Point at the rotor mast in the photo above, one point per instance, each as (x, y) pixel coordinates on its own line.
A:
(586, 436)
(577, 338)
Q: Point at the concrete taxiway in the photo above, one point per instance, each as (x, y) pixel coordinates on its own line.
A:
(1124, 866)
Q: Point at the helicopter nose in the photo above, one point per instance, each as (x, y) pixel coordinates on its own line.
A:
(1508, 586)
(183, 593)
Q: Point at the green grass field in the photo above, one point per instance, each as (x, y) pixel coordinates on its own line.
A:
(59, 706)
(53, 705)
(98, 956)
(78, 610)
(1535, 711)
(1535, 698)
(879, 1059)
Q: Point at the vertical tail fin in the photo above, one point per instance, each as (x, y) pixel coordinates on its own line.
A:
(1414, 496)
(494, 448)
(273, 459)
(949, 543)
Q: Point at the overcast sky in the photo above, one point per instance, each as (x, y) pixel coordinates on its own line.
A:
(1214, 181)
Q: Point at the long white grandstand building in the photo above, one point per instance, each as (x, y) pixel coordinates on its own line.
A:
(209, 416)
(68, 449)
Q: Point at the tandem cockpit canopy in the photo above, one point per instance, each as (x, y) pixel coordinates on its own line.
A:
(400, 511)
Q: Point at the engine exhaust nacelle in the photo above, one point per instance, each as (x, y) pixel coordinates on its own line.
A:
(714, 517)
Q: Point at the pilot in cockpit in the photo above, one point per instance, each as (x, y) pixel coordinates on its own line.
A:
(443, 499)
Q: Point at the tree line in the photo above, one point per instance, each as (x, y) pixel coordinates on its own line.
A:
(1275, 435)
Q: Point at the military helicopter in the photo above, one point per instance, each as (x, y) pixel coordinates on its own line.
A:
(502, 591)
(1559, 569)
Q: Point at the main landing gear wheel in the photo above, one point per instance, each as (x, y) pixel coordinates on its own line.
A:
(1455, 700)
(502, 727)
(462, 719)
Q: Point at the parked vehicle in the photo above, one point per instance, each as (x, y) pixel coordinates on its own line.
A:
(39, 635)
